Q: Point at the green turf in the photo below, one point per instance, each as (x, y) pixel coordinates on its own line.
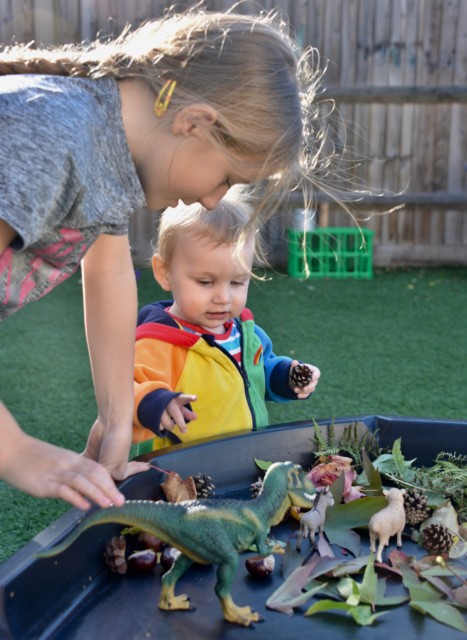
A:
(393, 345)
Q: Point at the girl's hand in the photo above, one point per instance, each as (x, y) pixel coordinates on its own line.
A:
(110, 448)
(46, 471)
(304, 392)
(176, 413)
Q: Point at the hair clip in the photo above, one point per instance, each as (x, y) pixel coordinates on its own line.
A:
(163, 98)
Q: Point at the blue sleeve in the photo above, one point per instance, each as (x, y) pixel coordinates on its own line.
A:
(152, 407)
(276, 371)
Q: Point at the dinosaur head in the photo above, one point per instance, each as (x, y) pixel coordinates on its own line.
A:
(291, 478)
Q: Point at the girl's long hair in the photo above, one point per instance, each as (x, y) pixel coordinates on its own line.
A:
(249, 68)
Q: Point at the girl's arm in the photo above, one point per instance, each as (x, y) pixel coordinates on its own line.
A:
(46, 471)
(7, 234)
(110, 306)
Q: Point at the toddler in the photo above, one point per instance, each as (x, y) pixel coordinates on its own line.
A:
(200, 358)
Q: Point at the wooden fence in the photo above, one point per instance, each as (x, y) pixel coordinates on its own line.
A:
(397, 70)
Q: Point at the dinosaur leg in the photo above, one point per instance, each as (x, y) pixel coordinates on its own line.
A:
(168, 600)
(232, 613)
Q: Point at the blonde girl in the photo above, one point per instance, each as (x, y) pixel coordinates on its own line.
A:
(178, 109)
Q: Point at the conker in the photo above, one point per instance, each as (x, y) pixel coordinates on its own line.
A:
(142, 561)
(260, 566)
(148, 541)
(168, 556)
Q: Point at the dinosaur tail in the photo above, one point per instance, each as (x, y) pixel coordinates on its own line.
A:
(129, 515)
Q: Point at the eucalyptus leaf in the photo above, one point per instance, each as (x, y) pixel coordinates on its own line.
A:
(441, 611)
(262, 464)
(342, 518)
(348, 567)
(418, 590)
(372, 474)
(368, 588)
(382, 600)
(290, 593)
(350, 590)
(361, 614)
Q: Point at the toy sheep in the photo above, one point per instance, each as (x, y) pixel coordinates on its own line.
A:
(388, 522)
(314, 520)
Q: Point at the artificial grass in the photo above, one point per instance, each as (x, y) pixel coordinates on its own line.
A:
(394, 345)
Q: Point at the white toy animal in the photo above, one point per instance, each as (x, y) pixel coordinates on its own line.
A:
(313, 521)
(388, 522)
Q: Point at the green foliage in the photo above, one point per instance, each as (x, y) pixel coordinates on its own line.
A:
(447, 478)
(350, 443)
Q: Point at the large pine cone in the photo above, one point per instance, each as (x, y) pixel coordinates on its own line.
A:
(205, 487)
(416, 507)
(437, 539)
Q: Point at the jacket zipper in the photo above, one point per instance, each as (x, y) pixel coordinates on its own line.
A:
(246, 382)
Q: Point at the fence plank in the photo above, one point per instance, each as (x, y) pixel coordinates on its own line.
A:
(398, 73)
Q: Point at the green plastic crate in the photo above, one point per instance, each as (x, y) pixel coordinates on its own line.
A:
(331, 252)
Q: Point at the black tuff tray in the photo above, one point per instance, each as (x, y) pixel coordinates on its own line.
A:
(74, 595)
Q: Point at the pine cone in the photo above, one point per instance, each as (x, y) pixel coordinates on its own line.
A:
(114, 554)
(300, 376)
(205, 487)
(437, 539)
(256, 487)
(416, 507)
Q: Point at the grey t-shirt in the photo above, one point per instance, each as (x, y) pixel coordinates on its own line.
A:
(66, 177)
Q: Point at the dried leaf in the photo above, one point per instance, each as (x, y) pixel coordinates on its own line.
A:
(324, 549)
(445, 515)
(177, 490)
(397, 557)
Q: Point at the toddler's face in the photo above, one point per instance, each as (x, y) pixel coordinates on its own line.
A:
(209, 282)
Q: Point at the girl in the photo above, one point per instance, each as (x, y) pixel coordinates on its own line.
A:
(181, 108)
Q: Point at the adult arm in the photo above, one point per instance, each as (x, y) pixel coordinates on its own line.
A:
(46, 471)
(110, 306)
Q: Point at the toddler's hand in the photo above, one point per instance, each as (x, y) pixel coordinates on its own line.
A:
(308, 388)
(176, 413)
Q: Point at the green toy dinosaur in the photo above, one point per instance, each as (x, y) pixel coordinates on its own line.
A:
(211, 531)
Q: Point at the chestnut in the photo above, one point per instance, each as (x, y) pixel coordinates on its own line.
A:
(168, 556)
(260, 566)
(142, 561)
(148, 541)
